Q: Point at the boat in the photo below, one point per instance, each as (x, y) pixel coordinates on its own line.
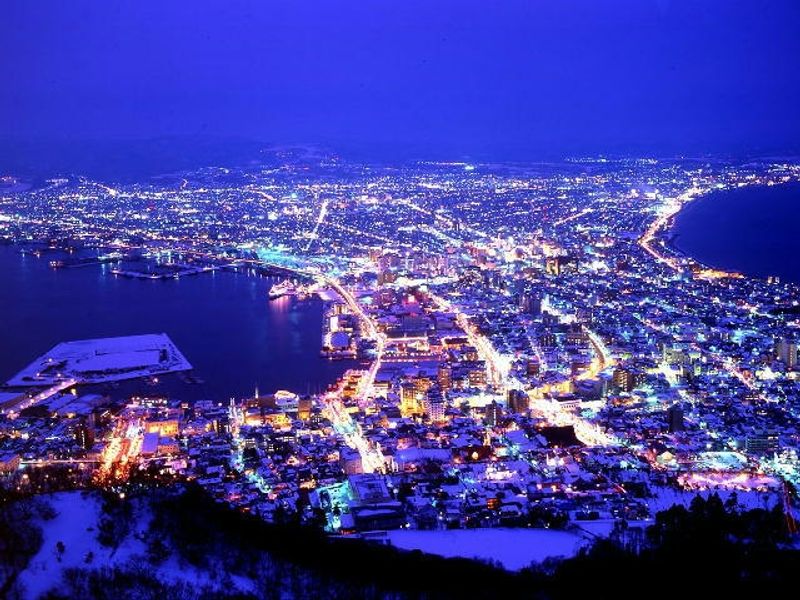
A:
(283, 288)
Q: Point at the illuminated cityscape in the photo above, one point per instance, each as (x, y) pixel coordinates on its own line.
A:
(419, 300)
(503, 364)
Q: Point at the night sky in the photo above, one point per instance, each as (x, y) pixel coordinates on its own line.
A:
(509, 78)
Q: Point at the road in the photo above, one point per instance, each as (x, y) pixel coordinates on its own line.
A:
(121, 449)
(368, 331)
(42, 396)
(586, 431)
(372, 459)
(602, 356)
(497, 369)
(323, 211)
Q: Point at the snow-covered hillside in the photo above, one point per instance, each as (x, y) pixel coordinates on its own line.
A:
(513, 548)
(70, 540)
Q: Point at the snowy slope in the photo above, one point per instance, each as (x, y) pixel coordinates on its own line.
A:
(513, 548)
(76, 527)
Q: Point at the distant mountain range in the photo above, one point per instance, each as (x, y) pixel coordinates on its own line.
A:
(129, 160)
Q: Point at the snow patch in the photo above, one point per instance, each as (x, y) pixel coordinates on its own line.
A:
(513, 548)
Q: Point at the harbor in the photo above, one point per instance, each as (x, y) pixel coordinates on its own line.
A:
(257, 342)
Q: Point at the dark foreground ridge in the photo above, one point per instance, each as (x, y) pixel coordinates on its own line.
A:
(709, 545)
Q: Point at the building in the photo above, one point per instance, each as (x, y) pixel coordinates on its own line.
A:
(165, 427)
(9, 463)
(150, 443)
(287, 401)
(434, 404)
(493, 414)
(625, 379)
(477, 376)
(547, 339)
(568, 401)
(409, 403)
(350, 461)
(84, 434)
(530, 304)
(372, 506)
(786, 352)
(304, 405)
(445, 377)
(339, 340)
(762, 441)
(552, 265)
(675, 418)
(675, 355)
(518, 401)
(533, 367)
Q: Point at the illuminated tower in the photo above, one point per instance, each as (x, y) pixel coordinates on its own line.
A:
(517, 401)
(434, 404)
(675, 418)
(786, 352)
(409, 405)
(444, 377)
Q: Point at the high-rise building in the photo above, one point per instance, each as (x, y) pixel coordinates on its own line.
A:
(409, 404)
(675, 418)
(433, 404)
(477, 375)
(444, 377)
(493, 413)
(762, 441)
(518, 401)
(626, 379)
(533, 367)
(84, 434)
(547, 339)
(552, 265)
(530, 303)
(786, 352)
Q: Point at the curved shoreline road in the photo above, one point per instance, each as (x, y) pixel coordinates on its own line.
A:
(670, 210)
(670, 254)
(726, 217)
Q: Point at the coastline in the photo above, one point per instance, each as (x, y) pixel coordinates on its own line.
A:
(236, 311)
(674, 258)
(668, 235)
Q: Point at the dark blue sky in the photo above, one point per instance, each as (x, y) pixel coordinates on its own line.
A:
(508, 77)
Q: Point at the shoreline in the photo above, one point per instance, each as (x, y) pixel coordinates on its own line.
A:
(670, 236)
(667, 234)
(660, 232)
(257, 365)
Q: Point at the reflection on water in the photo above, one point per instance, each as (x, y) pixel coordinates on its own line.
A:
(223, 322)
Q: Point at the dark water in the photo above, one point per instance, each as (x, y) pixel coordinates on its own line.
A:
(753, 230)
(222, 322)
